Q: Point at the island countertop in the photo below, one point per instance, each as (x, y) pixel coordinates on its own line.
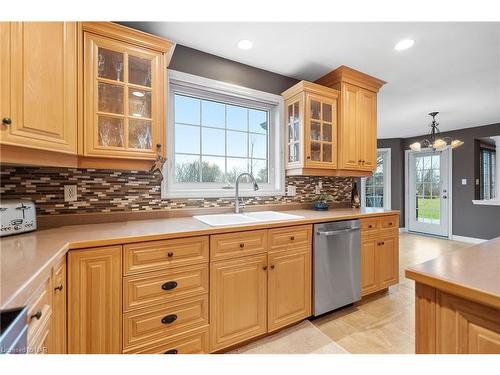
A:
(26, 258)
(471, 273)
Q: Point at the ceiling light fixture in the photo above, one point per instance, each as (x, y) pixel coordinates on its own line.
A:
(245, 44)
(404, 44)
(435, 142)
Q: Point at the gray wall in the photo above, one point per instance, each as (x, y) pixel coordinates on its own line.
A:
(203, 64)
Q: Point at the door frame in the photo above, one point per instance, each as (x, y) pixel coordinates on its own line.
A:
(387, 180)
(450, 191)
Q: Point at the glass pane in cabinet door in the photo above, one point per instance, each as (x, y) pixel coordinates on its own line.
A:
(139, 134)
(327, 133)
(110, 131)
(296, 131)
(296, 111)
(315, 131)
(327, 112)
(315, 109)
(139, 103)
(315, 151)
(139, 71)
(109, 64)
(290, 114)
(110, 98)
(327, 152)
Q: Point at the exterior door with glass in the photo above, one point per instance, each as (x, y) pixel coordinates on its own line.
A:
(428, 192)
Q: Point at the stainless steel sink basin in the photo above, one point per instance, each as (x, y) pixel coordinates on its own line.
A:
(222, 220)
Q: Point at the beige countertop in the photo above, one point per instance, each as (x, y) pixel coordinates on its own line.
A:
(472, 273)
(27, 258)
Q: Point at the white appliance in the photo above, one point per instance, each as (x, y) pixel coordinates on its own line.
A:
(17, 216)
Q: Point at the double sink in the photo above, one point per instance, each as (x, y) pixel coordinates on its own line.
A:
(246, 218)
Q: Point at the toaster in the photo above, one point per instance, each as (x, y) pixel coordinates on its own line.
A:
(17, 216)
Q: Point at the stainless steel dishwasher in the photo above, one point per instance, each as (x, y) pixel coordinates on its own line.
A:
(337, 265)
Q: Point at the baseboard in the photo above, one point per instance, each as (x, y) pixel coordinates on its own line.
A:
(403, 230)
(467, 239)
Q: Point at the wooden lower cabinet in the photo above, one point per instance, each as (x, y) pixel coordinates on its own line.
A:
(369, 279)
(289, 287)
(95, 300)
(388, 259)
(40, 320)
(59, 296)
(238, 300)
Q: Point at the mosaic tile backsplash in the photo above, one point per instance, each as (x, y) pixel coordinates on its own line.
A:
(124, 191)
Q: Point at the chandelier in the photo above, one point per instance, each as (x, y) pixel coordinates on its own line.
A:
(434, 141)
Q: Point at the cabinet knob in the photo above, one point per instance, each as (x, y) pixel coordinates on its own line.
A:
(359, 161)
(59, 287)
(36, 315)
(171, 351)
(242, 245)
(308, 157)
(170, 254)
(370, 226)
(264, 268)
(292, 238)
(272, 267)
(6, 121)
(390, 223)
(169, 319)
(158, 145)
(169, 285)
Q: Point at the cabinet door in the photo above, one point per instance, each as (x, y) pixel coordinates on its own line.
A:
(123, 99)
(289, 287)
(388, 260)
(238, 300)
(367, 129)
(94, 301)
(294, 132)
(39, 85)
(369, 282)
(349, 129)
(59, 309)
(320, 125)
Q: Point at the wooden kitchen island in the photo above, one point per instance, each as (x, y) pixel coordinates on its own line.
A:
(457, 301)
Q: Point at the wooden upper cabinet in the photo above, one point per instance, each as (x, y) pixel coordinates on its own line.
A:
(124, 92)
(38, 88)
(311, 129)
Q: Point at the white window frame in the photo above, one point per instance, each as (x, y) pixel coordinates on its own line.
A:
(387, 180)
(191, 85)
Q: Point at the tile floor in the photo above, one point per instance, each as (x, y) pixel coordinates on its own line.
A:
(382, 323)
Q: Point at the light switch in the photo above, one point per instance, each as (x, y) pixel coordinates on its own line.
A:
(464, 181)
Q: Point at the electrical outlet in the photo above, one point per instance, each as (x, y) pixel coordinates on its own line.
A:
(464, 181)
(291, 190)
(317, 189)
(320, 184)
(70, 193)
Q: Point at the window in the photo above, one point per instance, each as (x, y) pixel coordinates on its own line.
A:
(217, 131)
(376, 189)
(488, 178)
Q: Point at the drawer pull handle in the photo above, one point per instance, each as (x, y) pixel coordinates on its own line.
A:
(169, 319)
(370, 226)
(169, 285)
(390, 223)
(292, 238)
(242, 245)
(36, 315)
(170, 254)
(171, 351)
(59, 287)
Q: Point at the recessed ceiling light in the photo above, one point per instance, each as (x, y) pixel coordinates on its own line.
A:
(245, 44)
(404, 44)
(138, 94)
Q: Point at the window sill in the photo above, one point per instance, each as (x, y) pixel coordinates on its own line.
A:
(487, 202)
(230, 193)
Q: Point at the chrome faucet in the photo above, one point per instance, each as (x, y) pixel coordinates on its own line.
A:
(237, 195)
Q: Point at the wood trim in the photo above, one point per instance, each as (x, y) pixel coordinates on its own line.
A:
(346, 74)
(102, 162)
(312, 88)
(22, 155)
(425, 319)
(327, 172)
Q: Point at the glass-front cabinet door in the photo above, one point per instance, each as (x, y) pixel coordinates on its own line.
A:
(320, 132)
(294, 131)
(123, 87)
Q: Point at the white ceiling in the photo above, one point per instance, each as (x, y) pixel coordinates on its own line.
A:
(453, 68)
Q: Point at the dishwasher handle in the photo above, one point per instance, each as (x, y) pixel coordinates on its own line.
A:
(333, 232)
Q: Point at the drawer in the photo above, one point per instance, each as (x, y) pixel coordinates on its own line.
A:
(164, 286)
(290, 238)
(159, 255)
(389, 222)
(163, 321)
(39, 309)
(231, 245)
(192, 342)
(39, 343)
(369, 225)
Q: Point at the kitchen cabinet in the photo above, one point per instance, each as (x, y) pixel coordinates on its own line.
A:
(40, 323)
(238, 300)
(357, 121)
(59, 292)
(95, 300)
(311, 129)
(379, 253)
(124, 92)
(38, 92)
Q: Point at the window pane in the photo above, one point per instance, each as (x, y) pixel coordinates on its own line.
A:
(213, 114)
(236, 143)
(212, 169)
(187, 139)
(187, 168)
(258, 168)
(234, 168)
(237, 118)
(213, 141)
(187, 110)
(258, 146)
(257, 121)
